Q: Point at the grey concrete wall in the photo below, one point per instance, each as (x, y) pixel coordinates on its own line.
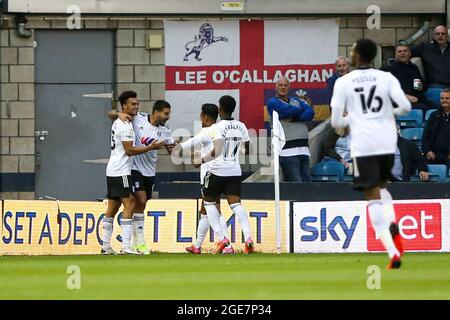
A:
(16, 105)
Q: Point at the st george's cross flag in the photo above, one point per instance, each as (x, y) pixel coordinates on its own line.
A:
(205, 60)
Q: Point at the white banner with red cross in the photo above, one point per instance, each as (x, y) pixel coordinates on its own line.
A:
(244, 59)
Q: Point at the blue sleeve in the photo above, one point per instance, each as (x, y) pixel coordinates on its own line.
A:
(285, 110)
(306, 111)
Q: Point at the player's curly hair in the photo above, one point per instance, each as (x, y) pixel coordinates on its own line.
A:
(367, 49)
(124, 96)
(228, 104)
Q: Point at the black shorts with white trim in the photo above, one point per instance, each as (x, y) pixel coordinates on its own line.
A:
(214, 186)
(372, 171)
(142, 183)
(119, 187)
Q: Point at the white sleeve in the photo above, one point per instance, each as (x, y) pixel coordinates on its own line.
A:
(399, 97)
(338, 103)
(126, 132)
(195, 140)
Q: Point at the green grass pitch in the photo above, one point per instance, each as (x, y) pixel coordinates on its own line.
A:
(257, 276)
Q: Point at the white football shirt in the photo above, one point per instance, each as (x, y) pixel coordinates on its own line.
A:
(120, 163)
(233, 133)
(146, 133)
(368, 95)
(204, 138)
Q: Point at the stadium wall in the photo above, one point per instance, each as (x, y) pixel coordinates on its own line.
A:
(137, 68)
(33, 227)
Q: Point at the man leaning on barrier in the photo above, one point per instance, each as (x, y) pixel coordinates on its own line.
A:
(293, 113)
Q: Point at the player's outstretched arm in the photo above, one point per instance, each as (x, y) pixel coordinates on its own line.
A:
(179, 148)
(114, 114)
(131, 150)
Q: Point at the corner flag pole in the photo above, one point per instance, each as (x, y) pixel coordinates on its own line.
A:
(278, 136)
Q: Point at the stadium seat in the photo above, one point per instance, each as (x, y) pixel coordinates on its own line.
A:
(427, 116)
(438, 172)
(434, 95)
(413, 134)
(328, 172)
(413, 119)
(348, 177)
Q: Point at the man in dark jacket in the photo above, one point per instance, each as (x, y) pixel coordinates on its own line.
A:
(436, 59)
(436, 136)
(408, 159)
(342, 68)
(410, 78)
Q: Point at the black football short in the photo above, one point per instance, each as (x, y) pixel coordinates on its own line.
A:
(142, 183)
(119, 187)
(372, 171)
(214, 186)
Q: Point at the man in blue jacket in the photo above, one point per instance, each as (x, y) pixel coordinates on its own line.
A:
(293, 113)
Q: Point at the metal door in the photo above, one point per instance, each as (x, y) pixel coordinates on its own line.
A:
(72, 131)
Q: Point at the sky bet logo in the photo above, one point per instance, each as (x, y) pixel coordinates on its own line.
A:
(420, 226)
(323, 228)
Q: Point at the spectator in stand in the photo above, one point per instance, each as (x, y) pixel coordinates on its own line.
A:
(336, 147)
(407, 159)
(436, 136)
(436, 62)
(410, 77)
(293, 113)
(342, 68)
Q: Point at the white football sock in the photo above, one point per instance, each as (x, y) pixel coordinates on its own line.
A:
(223, 224)
(202, 230)
(389, 210)
(242, 217)
(108, 226)
(213, 218)
(127, 229)
(381, 226)
(138, 228)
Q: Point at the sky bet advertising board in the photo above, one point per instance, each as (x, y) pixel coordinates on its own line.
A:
(32, 227)
(344, 226)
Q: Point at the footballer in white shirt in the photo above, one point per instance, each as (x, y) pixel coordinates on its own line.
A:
(148, 129)
(118, 175)
(208, 117)
(224, 173)
(367, 100)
